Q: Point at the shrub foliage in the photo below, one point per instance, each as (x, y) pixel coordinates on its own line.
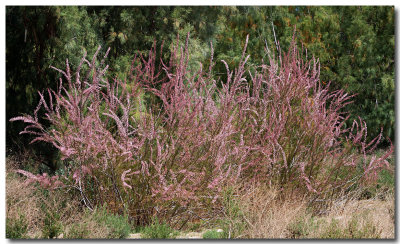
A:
(167, 139)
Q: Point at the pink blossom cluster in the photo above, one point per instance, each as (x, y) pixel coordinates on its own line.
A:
(44, 179)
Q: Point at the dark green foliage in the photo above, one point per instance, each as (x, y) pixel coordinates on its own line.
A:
(16, 228)
(366, 64)
(30, 35)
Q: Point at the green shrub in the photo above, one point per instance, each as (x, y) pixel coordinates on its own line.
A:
(213, 234)
(119, 225)
(16, 228)
(158, 230)
(52, 226)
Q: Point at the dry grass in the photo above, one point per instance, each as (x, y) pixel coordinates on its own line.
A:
(269, 217)
(57, 212)
(31, 202)
(22, 200)
(373, 216)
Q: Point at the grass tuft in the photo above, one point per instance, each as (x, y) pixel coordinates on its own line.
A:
(213, 234)
(158, 230)
(16, 228)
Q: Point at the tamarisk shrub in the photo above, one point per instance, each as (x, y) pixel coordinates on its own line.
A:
(294, 127)
(195, 135)
(159, 161)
